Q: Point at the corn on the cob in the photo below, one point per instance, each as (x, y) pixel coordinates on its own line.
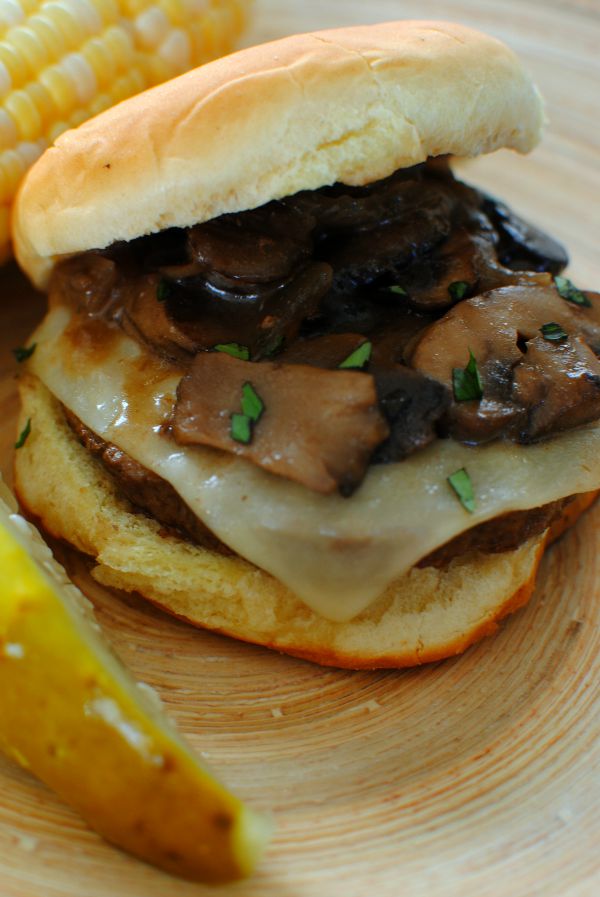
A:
(62, 61)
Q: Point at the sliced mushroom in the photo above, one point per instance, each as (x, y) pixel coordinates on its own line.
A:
(449, 274)
(283, 317)
(87, 282)
(145, 317)
(343, 209)
(498, 328)
(411, 404)
(327, 351)
(260, 246)
(559, 384)
(522, 246)
(189, 321)
(383, 252)
(318, 427)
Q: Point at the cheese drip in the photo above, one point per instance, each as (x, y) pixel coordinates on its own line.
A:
(336, 554)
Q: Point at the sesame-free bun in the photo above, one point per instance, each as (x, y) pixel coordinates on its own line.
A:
(350, 105)
(425, 615)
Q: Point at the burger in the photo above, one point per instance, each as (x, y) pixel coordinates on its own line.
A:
(297, 383)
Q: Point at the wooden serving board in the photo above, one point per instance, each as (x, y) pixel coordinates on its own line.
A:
(477, 776)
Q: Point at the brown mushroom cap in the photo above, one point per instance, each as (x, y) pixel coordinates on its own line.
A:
(531, 386)
(326, 444)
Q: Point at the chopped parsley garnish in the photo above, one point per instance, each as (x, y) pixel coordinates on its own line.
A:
(241, 428)
(252, 404)
(553, 332)
(234, 349)
(458, 290)
(242, 425)
(359, 358)
(163, 290)
(570, 292)
(460, 482)
(467, 383)
(24, 434)
(398, 290)
(22, 353)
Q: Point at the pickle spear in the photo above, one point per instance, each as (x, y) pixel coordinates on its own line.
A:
(73, 716)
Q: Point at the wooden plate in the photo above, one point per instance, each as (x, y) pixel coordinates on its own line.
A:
(477, 776)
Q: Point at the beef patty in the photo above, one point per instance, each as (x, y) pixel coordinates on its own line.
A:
(150, 494)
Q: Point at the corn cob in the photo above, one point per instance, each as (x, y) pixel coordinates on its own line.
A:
(62, 61)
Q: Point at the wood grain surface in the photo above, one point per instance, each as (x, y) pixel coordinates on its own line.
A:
(478, 776)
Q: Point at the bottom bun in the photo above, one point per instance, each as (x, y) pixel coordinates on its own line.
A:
(425, 615)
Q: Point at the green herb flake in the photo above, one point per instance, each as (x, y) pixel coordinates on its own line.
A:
(241, 428)
(398, 290)
(24, 434)
(460, 482)
(359, 358)
(553, 332)
(22, 353)
(234, 349)
(467, 383)
(163, 290)
(569, 291)
(252, 404)
(458, 290)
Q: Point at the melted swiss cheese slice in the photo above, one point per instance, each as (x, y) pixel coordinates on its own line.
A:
(336, 554)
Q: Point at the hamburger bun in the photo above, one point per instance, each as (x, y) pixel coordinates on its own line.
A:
(350, 105)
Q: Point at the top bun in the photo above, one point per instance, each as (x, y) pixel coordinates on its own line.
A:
(350, 105)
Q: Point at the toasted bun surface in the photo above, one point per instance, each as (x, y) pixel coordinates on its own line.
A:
(426, 615)
(350, 105)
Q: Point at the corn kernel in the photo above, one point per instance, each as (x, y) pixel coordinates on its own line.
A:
(28, 152)
(85, 13)
(133, 8)
(56, 130)
(126, 85)
(11, 172)
(120, 46)
(82, 76)
(22, 110)
(5, 80)
(43, 102)
(8, 129)
(155, 69)
(99, 104)
(29, 6)
(26, 42)
(11, 13)
(60, 88)
(109, 11)
(78, 117)
(150, 27)
(174, 11)
(240, 14)
(15, 64)
(74, 34)
(176, 51)
(103, 65)
(49, 34)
